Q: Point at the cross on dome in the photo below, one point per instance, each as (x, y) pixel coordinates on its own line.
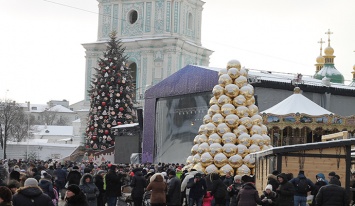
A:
(321, 43)
(329, 33)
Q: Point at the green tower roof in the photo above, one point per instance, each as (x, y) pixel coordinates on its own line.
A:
(331, 72)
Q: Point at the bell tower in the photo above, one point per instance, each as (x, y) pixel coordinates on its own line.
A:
(160, 36)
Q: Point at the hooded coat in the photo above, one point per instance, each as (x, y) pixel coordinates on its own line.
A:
(47, 187)
(332, 194)
(248, 195)
(77, 200)
(285, 192)
(89, 189)
(158, 188)
(26, 196)
(174, 191)
(272, 180)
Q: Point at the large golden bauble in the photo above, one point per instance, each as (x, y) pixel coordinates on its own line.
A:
(210, 129)
(204, 147)
(194, 149)
(240, 130)
(206, 159)
(243, 170)
(246, 121)
(206, 119)
(229, 149)
(190, 160)
(247, 91)
(198, 167)
(213, 101)
(242, 111)
(241, 81)
(254, 148)
(243, 72)
(231, 90)
(234, 64)
(255, 129)
(223, 99)
(242, 150)
(223, 71)
(214, 138)
(202, 129)
(256, 139)
(233, 73)
(235, 161)
(196, 139)
(222, 129)
(217, 119)
(226, 169)
(232, 121)
(197, 158)
(229, 138)
(217, 91)
(202, 138)
(215, 148)
(228, 109)
(266, 139)
(256, 120)
(250, 101)
(253, 109)
(224, 80)
(249, 162)
(263, 129)
(220, 160)
(213, 110)
(211, 169)
(244, 139)
(239, 100)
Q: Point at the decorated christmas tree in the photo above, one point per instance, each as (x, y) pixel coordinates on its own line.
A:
(232, 129)
(111, 97)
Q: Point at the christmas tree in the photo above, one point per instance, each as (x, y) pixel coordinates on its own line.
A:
(111, 97)
(232, 128)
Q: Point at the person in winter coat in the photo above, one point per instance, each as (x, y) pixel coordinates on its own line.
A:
(207, 199)
(332, 194)
(138, 185)
(285, 191)
(174, 189)
(159, 189)
(300, 196)
(113, 186)
(228, 180)
(248, 195)
(60, 177)
(89, 189)
(31, 194)
(268, 197)
(99, 182)
(45, 183)
(5, 196)
(75, 197)
(234, 189)
(74, 176)
(320, 183)
(272, 180)
(186, 179)
(198, 189)
(219, 190)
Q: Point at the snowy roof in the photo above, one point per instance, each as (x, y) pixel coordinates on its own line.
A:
(125, 126)
(51, 130)
(297, 103)
(35, 107)
(60, 108)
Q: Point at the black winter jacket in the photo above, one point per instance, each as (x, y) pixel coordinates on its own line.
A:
(26, 196)
(138, 184)
(113, 184)
(47, 187)
(74, 177)
(331, 195)
(77, 200)
(285, 192)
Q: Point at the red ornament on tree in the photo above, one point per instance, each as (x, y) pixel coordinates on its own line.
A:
(92, 128)
(103, 104)
(121, 109)
(106, 132)
(119, 123)
(94, 138)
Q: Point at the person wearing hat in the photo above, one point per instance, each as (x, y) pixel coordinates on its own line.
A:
(60, 179)
(198, 189)
(31, 194)
(332, 194)
(138, 185)
(113, 185)
(5, 196)
(75, 197)
(268, 197)
(90, 190)
(74, 176)
(99, 182)
(234, 189)
(174, 190)
(45, 183)
(285, 191)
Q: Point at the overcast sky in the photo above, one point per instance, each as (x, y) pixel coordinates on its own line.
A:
(42, 59)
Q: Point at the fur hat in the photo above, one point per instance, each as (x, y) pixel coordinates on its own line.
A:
(268, 187)
(5, 194)
(74, 188)
(237, 177)
(331, 174)
(31, 182)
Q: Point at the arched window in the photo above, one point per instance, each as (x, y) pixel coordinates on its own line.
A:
(190, 21)
(132, 16)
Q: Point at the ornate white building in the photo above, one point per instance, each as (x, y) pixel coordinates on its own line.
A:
(160, 36)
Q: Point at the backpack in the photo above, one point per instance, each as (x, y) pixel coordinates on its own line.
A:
(302, 186)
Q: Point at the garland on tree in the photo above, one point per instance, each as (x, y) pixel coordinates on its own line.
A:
(111, 97)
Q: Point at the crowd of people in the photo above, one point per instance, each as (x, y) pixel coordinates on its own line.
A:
(88, 184)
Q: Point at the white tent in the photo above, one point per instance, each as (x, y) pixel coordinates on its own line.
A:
(297, 103)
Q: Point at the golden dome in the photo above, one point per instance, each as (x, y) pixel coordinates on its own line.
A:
(296, 90)
(329, 51)
(320, 60)
(233, 64)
